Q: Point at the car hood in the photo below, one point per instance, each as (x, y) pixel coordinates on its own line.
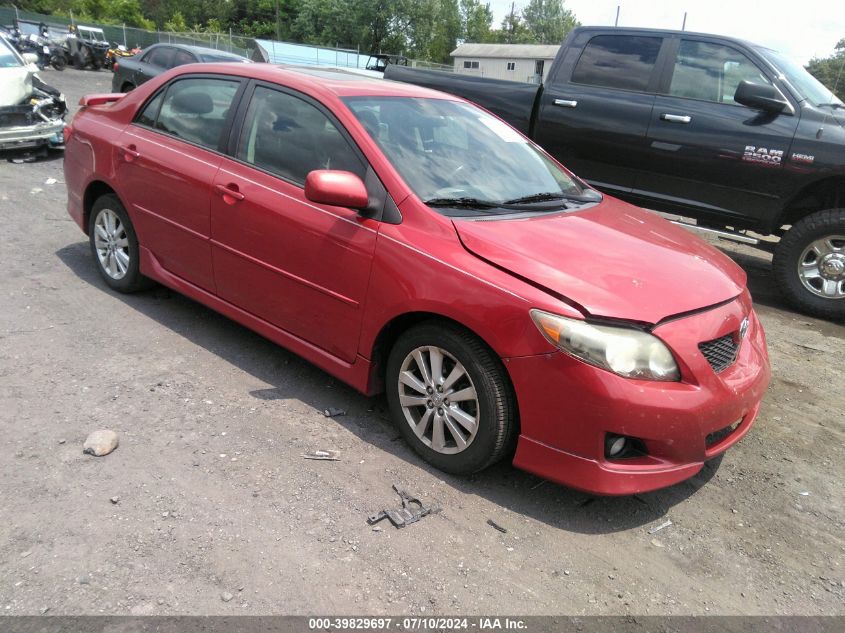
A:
(15, 85)
(612, 260)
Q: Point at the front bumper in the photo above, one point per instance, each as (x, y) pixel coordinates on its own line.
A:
(567, 408)
(36, 135)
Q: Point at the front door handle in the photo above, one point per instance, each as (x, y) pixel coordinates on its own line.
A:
(566, 103)
(130, 153)
(676, 118)
(230, 193)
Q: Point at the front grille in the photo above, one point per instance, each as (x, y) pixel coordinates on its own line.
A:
(720, 352)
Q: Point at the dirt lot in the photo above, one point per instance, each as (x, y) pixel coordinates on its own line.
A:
(219, 514)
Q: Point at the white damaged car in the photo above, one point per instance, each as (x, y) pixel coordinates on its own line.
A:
(31, 112)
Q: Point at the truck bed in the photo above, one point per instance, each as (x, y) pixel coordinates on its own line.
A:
(512, 101)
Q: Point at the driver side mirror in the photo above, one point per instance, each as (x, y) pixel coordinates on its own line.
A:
(30, 58)
(760, 97)
(336, 188)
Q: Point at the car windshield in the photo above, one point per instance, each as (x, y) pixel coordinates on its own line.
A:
(803, 82)
(455, 156)
(8, 58)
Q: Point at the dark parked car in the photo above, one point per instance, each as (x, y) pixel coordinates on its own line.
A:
(732, 134)
(131, 72)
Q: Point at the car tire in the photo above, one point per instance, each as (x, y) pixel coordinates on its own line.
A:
(470, 370)
(809, 264)
(114, 245)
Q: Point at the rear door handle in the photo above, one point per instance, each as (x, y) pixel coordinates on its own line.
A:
(230, 193)
(566, 103)
(130, 153)
(676, 118)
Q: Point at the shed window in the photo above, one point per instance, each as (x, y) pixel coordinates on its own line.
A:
(469, 64)
(511, 65)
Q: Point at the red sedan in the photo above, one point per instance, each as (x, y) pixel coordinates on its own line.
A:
(407, 241)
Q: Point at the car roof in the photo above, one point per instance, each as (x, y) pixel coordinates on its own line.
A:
(323, 80)
(662, 32)
(198, 50)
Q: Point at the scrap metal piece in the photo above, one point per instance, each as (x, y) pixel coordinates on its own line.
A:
(496, 526)
(323, 455)
(412, 510)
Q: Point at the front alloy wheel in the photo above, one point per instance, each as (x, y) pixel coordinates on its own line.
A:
(438, 400)
(450, 397)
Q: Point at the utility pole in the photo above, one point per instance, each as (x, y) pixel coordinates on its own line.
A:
(278, 27)
(618, 6)
(512, 25)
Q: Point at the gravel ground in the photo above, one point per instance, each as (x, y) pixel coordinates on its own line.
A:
(219, 514)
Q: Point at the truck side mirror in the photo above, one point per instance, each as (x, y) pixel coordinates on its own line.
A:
(760, 97)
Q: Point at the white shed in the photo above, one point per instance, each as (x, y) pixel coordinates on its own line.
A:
(517, 62)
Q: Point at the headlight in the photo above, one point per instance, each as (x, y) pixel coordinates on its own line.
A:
(627, 352)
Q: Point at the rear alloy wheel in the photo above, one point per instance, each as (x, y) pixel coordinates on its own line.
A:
(450, 398)
(115, 246)
(809, 264)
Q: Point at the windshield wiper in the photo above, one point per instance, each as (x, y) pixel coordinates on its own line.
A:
(588, 196)
(833, 104)
(537, 197)
(467, 203)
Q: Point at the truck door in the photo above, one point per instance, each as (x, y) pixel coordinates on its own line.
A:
(595, 110)
(708, 153)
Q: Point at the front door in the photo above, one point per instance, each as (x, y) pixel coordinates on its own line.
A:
(165, 163)
(704, 147)
(302, 266)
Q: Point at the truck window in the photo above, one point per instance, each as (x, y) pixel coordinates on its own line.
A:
(618, 61)
(711, 72)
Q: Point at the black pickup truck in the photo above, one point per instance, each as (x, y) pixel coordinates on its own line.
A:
(732, 134)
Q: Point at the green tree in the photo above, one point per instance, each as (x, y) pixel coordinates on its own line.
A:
(548, 21)
(831, 70)
(476, 20)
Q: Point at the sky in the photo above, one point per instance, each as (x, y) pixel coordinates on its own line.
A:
(803, 30)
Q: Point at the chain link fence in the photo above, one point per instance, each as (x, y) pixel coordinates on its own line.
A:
(132, 37)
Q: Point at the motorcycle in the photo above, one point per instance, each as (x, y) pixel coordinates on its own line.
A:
(48, 53)
(116, 52)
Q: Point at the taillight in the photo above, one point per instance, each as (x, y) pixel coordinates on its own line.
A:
(67, 133)
(114, 67)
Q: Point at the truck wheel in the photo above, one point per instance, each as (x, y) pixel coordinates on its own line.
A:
(809, 264)
(115, 245)
(450, 397)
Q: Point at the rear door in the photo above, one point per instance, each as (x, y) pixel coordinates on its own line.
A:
(302, 266)
(166, 161)
(595, 111)
(707, 152)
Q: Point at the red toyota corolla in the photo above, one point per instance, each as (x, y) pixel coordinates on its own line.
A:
(405, 240)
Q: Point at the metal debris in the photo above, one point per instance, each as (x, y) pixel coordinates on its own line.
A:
(412, 510)
(496, 526)
(326, 456)
(657, 528)
(333, 412)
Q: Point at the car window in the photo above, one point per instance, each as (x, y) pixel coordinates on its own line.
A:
(150, 112)
(195, 109)
(618, 61)
(288, 136)
(711, 72)
(161, 57)
(8, 58)
(183, 57)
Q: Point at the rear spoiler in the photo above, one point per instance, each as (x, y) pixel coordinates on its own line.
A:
(101, 99)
